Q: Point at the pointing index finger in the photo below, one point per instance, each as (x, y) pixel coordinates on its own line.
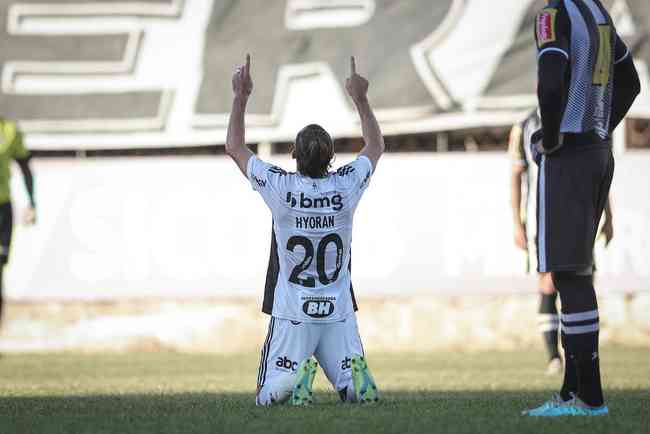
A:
(353, 65)
(248, 63)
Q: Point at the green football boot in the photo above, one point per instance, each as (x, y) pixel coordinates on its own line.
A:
(302, 387)
(365, 388)
(573, 407)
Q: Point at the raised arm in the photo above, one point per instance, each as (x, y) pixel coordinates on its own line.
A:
(357, 88)
(242, 86)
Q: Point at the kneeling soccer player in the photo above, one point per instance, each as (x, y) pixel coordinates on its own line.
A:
(308, 285)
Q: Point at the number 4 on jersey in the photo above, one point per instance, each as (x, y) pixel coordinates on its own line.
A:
(604, 60)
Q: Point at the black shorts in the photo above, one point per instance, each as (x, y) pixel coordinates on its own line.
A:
(6, 229)
(572, 191)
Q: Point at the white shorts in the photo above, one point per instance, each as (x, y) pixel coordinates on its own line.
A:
(290, 342)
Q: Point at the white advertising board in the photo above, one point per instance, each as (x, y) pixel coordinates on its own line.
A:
(192, 227)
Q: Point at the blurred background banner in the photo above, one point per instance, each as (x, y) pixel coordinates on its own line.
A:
(119, 74)
(435, 225)
(149, 236)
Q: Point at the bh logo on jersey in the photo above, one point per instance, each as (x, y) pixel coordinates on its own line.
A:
(286, 363)
(318, 309)
(346, 364)
(304, 202)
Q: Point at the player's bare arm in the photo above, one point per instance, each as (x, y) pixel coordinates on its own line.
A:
(357, 88)
(29, 215)
(515, 192)
(608, 226)
(242, 86)
(517, 172)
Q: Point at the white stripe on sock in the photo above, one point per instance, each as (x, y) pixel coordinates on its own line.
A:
(579, 330)
(581, 316)
(547, 317)
(551, 327)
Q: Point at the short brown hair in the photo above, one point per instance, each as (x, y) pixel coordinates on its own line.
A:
(313, 151)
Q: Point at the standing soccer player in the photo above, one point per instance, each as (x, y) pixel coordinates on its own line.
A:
(587, 84)
(524, 202)
(308, 285)
(12, 148)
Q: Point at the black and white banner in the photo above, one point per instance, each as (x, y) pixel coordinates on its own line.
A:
(116, 74)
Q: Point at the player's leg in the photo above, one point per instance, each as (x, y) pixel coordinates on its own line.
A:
(580, 317)
(6, 229)
(340, 353)
(570, 383)
(570, 210)
(580, 327)
(288, 344)
(2, 301)
(548, 322)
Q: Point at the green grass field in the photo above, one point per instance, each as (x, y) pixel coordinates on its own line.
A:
(176, 393)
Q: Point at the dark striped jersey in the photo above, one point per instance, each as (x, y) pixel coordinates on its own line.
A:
(583, 32)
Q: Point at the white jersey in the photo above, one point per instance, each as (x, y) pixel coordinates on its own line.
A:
(308, 278)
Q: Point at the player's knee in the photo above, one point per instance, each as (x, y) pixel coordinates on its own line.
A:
(546, 285)
(268, 396)
(570, 282)
(263, 400)
(275, 391)
(576, 293)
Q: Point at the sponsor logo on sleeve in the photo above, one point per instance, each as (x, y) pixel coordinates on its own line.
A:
(345, 170)
(546, 27)
(278, 170)
(365, 180)
(259, 182)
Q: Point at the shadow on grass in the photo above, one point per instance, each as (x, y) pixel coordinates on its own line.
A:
(399, 411)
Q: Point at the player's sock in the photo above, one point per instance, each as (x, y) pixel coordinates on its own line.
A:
(580, 326)
(570, 383)
(549, 322)
(347, 393)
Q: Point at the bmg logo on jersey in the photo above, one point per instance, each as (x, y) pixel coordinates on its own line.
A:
(303, 202)
(286, 363)
(318, 309)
